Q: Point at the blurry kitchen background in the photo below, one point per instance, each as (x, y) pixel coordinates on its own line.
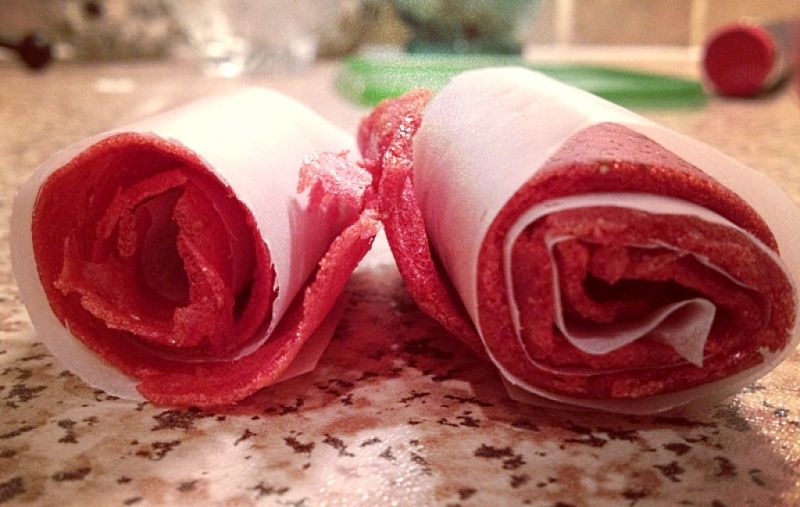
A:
(123, 29)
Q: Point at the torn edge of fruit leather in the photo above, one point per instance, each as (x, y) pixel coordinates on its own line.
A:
(499, 127)
(299, 201)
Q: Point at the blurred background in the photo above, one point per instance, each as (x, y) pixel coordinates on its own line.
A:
(393, 41)
(125, 29)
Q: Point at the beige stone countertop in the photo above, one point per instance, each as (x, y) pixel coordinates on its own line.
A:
(397, 412)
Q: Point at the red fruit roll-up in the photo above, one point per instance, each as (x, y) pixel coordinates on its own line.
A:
(196, 256)
(598, 259)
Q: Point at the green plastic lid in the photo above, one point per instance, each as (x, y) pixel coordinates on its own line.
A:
(367, 80)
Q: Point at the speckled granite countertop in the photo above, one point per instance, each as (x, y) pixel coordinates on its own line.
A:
(397, 413)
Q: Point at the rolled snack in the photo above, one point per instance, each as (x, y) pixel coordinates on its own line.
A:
(191, 257)
(598, 259)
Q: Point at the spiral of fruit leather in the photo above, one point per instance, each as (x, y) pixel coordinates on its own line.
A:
(196, 256)
(598, 259)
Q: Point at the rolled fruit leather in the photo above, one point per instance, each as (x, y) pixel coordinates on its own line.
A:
(598, 259)
(196, 256)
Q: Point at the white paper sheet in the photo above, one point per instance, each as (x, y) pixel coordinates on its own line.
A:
(254, 140)
(489, 131)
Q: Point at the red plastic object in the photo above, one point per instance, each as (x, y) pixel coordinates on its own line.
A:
(741, 60)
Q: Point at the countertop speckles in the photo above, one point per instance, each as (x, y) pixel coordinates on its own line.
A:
(397, 413)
